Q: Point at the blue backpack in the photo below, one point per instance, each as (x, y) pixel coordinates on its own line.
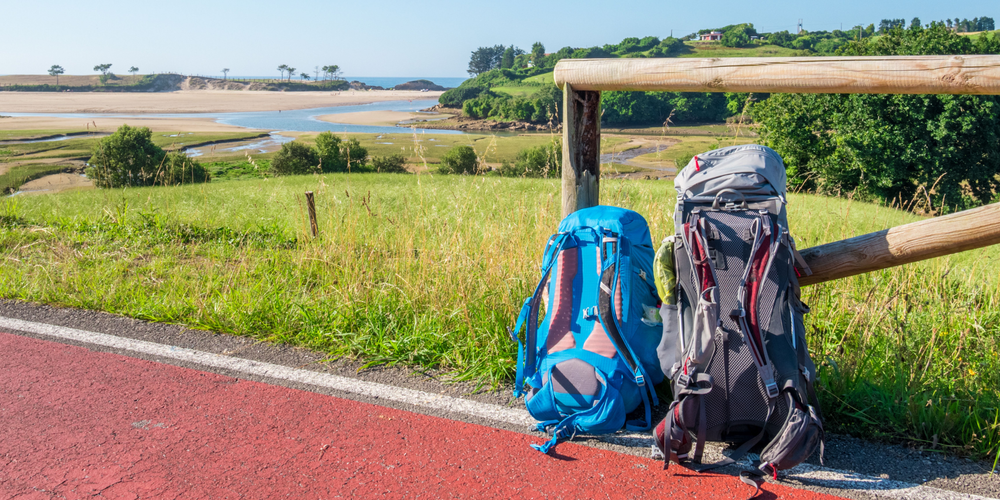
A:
(592, 359)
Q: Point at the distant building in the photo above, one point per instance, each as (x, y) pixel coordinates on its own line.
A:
(712, 37)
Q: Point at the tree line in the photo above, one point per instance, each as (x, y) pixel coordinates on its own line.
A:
(930, 153)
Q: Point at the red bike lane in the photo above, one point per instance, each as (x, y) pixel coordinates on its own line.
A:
(77, 423)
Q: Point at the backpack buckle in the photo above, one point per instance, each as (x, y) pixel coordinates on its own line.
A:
(772, 388)
(640, 380)
(684, 380)
(590, 312)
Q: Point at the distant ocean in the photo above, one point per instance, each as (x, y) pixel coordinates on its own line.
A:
(381, 81)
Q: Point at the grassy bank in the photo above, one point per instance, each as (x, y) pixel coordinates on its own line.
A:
(430, 270)
(13, 178)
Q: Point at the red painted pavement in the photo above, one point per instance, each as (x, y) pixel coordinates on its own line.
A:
(76, 423)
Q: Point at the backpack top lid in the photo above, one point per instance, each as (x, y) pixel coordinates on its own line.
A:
(751, 169)
(619, 220)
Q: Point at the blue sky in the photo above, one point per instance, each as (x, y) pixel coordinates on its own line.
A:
(382, 37)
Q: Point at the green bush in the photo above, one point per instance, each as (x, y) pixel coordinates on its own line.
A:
(295, 158)
(540, 161)
(460, 160)
(128, 158)
(125, 158)
(392, 164)
(179, 169)
(738, 36)
(337, 155)
(354, 153)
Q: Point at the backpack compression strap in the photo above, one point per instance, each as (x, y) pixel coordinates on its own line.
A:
(529, 316)
(616, 261)
(765, 241)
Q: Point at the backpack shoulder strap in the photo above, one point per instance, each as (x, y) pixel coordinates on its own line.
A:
(529, 315)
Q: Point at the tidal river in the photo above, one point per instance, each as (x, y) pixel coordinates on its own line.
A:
(293, 120)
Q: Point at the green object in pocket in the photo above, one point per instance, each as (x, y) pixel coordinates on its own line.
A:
(664, 272)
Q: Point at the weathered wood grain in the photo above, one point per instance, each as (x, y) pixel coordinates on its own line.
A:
(912, 242)
(581, 150)
(968, 74)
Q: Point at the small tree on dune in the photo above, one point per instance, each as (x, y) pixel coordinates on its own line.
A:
(282, 69)
(332, 71)
(304, 76)
(55, 71)
(225, 73)
(133, 70)
(291, 72)
(103, 68)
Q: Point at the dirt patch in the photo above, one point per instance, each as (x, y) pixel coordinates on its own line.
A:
(56, 183)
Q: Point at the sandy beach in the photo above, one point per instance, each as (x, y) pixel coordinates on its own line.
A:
(193, 101)
(110, 124)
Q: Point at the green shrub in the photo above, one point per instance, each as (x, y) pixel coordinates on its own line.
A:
(454, 98)
(295, 158)
(392, 164)
(738, 36)
(179, 169)
(539, 161)
(334, 153)
(460, 160)
(125, 158)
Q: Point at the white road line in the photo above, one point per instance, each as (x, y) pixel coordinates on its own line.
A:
(874, 486)
(807, 474)
(345, 384)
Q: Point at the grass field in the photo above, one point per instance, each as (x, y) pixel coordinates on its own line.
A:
(716, 49)
(429, 271)
(517, 91)
(542, 78)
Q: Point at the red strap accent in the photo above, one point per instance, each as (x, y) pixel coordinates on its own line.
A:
(697, 167)
(756, 276)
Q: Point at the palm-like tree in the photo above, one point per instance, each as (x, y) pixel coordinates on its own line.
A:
(304, 76)
(291, 72)
(225, 73)
(55, 71)
(282, 69)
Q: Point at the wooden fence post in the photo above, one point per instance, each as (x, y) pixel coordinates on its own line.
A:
(581, 149)
(311, 203)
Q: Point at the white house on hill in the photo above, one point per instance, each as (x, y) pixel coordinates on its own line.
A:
(712, 37)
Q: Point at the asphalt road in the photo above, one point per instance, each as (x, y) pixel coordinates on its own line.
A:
(859, 469)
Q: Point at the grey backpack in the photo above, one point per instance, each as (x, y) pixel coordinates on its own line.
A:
(734, 341)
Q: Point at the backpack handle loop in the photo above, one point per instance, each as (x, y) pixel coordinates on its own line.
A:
(715, 203)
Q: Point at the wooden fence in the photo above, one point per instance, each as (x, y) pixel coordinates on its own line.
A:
(583, 80)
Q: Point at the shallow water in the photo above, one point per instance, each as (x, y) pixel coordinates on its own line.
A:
(262, 146)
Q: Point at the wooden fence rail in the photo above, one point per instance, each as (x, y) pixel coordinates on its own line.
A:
(582, 81)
